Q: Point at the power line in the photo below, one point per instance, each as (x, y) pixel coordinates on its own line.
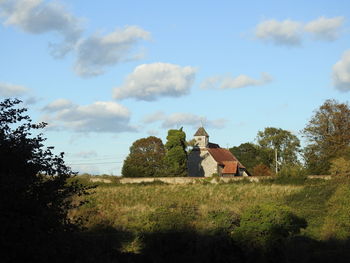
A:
(92, 163)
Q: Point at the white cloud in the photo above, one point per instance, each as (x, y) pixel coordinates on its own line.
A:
(11, 90)
(150, 81)
(241, 81)
(325, 28)
(97, 52)
(38, 17)
(99, 116)
(59, 104)
(93, 54)
(290, 33)
(341, 73)
(176, 120)
(286, 32)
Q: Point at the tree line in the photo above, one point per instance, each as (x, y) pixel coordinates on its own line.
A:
(149, 157)
(326, 150)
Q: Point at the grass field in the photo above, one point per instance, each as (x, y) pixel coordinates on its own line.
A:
(135, 210)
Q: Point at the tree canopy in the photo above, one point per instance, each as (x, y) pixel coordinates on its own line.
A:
(251, 155)
(286, 144)
(176, 155)
(146, 158)
(328, 135)
(34, 192)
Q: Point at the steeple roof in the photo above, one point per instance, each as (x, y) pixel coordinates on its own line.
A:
(201, 132)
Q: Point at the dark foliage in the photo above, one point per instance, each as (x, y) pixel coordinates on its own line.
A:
(251, 155)
(35, 197)
(146, 158)
(176, 155)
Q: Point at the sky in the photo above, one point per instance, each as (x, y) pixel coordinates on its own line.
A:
(105, 73)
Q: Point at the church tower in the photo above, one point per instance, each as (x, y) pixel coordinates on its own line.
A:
(202, 138)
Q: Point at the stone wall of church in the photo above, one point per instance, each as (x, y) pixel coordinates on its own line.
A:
(201, 164)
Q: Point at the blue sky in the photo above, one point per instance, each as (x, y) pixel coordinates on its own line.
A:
(105, 73)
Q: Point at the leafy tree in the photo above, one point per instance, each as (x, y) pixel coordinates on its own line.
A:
(251, 155)
(287, 144)
(34, 192)
(176, 155)
(146, 158)
(328, 136)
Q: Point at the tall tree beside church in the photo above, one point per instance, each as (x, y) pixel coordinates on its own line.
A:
(286, 144)
(328, 135)
(176, 155)
(146, 158)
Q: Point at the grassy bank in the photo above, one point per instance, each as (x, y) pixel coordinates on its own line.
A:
(134, 212)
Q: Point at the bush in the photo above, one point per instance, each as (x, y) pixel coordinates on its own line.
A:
(292, 171)
(340, 166)
(34, 192)
(265, 226)
(262, 170)
(171, 218)
(224, 221)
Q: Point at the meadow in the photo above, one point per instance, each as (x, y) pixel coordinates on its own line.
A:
(142, 219)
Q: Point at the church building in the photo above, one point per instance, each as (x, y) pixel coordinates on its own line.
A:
(208, 158)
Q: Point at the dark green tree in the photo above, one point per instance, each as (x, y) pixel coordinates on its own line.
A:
(286, 144)
(34, 192)
(176, 155)
(146, 158)
(328, 135)
(251, 155)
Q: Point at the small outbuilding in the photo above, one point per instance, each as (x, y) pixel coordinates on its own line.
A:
(208, 158)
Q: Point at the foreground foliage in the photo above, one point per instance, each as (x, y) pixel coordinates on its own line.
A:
(35, 197)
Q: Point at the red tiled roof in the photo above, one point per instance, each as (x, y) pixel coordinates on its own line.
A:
(230, 167)
(222, 156)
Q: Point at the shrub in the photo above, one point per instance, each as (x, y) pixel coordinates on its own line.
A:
(171, 218)
(224, 221)
(34, 192)
(292, 171)
(340, 166)
(265, 226)
(261, 170)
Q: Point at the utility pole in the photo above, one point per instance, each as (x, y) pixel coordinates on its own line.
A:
(276, 161)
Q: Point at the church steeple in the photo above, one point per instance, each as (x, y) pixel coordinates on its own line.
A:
(202, 138)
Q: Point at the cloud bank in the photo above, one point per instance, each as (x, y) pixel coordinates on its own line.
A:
(97, 117)
(38, 17)
(341, 73)
(286, 32)
(149, 82)
(11, 90)
(229, 82)
(93, 54)
(325, 28)
(183, 119)
(290, 33)
(96, 52)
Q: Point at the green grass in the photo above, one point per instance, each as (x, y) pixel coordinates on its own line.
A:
(138, 209)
